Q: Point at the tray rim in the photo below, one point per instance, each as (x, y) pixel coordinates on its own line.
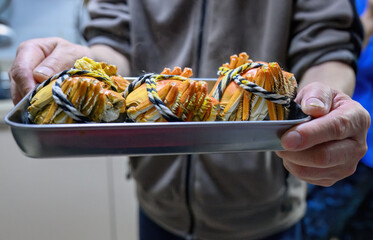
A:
(149, 124)
(144, 124)
(14, 118)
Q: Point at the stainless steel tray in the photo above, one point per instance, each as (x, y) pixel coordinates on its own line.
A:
(134, 139)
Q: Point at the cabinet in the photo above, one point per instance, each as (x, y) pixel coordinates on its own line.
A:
(59, 199)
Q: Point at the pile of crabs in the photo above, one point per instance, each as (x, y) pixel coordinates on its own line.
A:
(94, 92)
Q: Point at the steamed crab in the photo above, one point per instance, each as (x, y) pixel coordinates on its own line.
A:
(245, 90)
(248, 90)
(169, 96)
(94, 92)
(90, 92)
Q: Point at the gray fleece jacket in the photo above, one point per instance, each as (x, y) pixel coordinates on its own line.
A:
(223, 196)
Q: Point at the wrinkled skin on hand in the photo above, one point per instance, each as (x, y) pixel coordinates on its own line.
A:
(329, 147)
(39, 59)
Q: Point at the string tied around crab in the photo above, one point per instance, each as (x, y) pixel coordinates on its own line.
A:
(60, 97)
(230, 75)
(150, 80)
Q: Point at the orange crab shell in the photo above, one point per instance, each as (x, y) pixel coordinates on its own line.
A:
(88, 95)
(186, 99)
(237, 104)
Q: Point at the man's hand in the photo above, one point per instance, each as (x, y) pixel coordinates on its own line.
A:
(327, 148)
(39, 59)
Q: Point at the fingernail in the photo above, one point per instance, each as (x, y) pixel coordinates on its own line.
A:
(292, 140)
(314, 102)
(44, 71)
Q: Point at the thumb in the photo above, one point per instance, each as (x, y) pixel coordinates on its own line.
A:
(54, 63)
(315, 99)
(60, 57)
(43, 72)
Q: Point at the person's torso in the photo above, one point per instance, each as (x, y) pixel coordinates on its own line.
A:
(214, 196)
(219, 196)
(203, 34)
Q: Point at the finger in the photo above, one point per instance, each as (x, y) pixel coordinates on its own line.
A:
(31, 53)
(54, 63)
(348, 119)
(322, 182)
(318, 176)
(16, 96)
(309, 173)
(28, 56)
(315, 99)
(327, 155)
(18, 91)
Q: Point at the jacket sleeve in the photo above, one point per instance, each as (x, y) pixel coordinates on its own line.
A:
(109, 24)
(324, 31)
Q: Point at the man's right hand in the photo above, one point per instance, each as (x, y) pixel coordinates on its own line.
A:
(39, 59)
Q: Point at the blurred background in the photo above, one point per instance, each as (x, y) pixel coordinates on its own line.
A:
(52, 199)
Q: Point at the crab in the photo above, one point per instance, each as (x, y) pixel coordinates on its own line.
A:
(169, 96)
(249, 91)
(94, 92)
(90, 92)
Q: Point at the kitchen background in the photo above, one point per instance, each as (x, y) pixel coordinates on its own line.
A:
(56, 199)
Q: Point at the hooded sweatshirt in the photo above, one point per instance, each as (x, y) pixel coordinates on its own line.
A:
(246, 195)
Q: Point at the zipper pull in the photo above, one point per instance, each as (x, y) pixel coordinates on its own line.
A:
(190, 237)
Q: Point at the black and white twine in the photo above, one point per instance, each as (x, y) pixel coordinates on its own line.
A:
(60, 97)
(150, 80)
(234, 75)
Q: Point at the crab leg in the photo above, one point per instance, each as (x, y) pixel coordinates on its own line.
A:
(99, 107)
(242, 59)
(277, 85)
(229, 105)
(138, 102)
(269, 85)
(234, 61)
(172, 97)
(187, 88)
(91, 98)
(258, 106)
(166, 71)
(41, 99)
(153, 114)
(78, 97)
(176, 71)
(199, 100)
(185, 99)
(187, 72)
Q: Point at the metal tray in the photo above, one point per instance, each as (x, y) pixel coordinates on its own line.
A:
(134, 139)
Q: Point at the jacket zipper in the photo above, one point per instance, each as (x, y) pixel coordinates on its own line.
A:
(200, 36)
(187, 197)
(189, 157)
